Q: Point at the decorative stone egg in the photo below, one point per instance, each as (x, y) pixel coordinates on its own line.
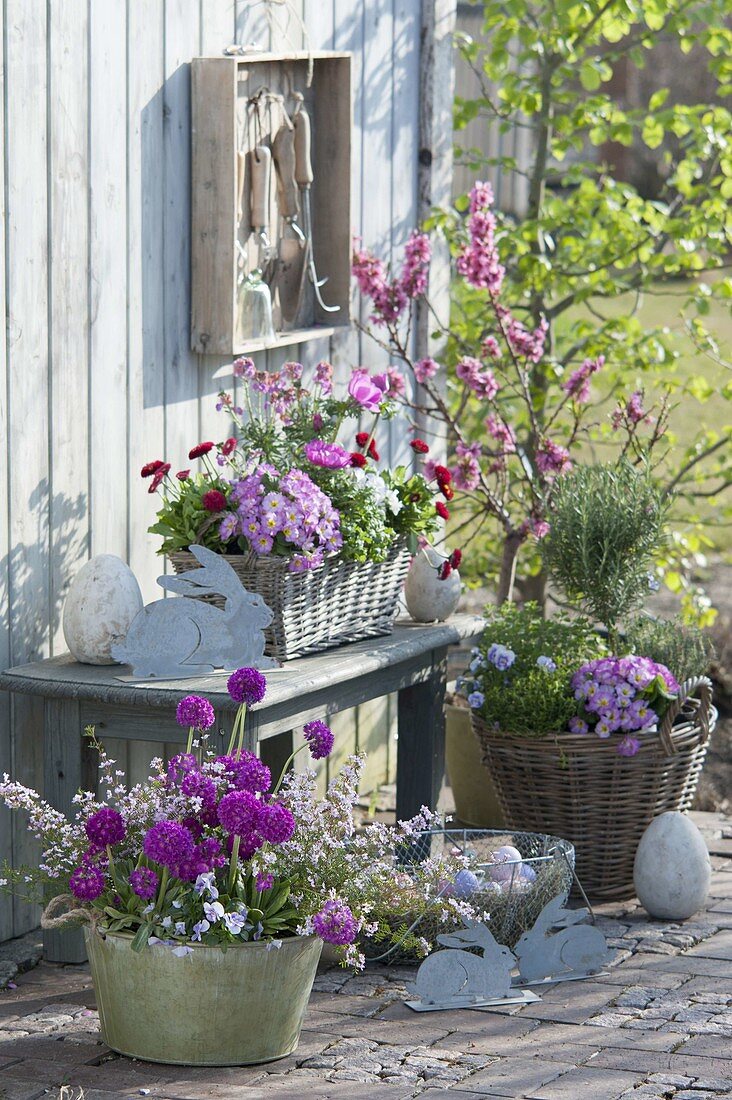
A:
(508, 864)
(672, 871)
(427, 597)
(102, 601)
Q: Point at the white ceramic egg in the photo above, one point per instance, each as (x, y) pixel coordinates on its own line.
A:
(427, 597)
(672, 871)
(103, 599)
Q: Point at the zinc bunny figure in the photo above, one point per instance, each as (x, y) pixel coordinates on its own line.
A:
(458, 977)
(555, 948)
(190, 637)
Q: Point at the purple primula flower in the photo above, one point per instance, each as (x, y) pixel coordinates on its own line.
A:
(335, 924)
(629, 746)
(197, 785)
(603, 729)
(331, 456)
(264, 882)
(87, 882)
(247, 685)
(245, 772)
(277, 823)
(319, 738)
(168, 843)
(195, 712)
(228, 527)
(106, 826)
(578, 725)
(144, 882)
(476, 699)
(240, 812)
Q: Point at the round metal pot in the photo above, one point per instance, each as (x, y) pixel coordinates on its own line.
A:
(209, 1008)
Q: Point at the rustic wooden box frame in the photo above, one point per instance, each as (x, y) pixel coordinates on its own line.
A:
(220, 87)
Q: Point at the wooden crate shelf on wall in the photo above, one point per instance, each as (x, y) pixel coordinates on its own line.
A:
(223, 125)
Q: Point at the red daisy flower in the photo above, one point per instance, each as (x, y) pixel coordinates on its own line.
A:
(445, 570)
(362, 438)
(213, 501)
(228, 446)
(419, 446)
(200, 450)
(456, 558)
(443, 474)
(357, 459)
(151, 468)
(442, 510)
(447, 490)
(159, 477)
(183, 475)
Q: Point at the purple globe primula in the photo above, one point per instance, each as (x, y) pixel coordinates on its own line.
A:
(105, 826)
(195, 712)
(144, 882)
(264, 882)
(246, 772)
(169, 843)
(319, 738)
(247, 685)
(240, 812)
(87, 882)
(197, 785)
(335, 924)
(277, 823)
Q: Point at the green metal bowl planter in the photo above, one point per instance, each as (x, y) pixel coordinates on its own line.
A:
(212, 1007)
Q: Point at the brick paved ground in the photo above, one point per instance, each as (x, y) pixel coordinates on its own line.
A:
(658, 1027)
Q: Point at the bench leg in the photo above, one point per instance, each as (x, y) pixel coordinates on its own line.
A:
(421, 744)
(68, 765)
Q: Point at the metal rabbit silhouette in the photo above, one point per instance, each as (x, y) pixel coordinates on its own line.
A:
(459, 978)
(558, 947)
(190, 637)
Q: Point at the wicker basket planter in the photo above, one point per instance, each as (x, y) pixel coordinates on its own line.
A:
(337, 602)
(580, 788)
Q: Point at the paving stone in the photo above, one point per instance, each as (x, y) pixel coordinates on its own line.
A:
(12, 1088)
(517, 1076)
(587, 1083)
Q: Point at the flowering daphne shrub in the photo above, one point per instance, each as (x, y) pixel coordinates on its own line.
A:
(512, 433)
(284, 484)
(208, 850)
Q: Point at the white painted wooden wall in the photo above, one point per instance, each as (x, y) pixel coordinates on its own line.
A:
(96, 373)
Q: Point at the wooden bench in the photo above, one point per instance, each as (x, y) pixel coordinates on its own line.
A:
(412, 661)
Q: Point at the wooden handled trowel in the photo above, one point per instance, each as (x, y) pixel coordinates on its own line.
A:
(289, 277)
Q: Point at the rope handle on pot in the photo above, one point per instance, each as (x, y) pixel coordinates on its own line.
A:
(700, 684)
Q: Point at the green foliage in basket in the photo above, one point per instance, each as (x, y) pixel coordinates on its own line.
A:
(518, 680)
(183, 519)
(607, 525)
(686, 650)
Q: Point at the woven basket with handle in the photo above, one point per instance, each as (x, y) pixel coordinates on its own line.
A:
(579, 787)
(337, 602)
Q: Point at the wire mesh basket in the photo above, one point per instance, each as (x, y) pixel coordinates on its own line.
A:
(511, 890)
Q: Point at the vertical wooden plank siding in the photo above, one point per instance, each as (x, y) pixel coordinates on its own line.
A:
(96, 371)
(108, 278)
(6, 837)
(28, 394)
(145, 331)
(68, 262)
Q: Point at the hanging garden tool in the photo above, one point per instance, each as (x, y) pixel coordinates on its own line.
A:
(304, 179)
(255, 297)
(292, 249)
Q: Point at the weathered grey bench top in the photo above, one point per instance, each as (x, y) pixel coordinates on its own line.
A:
(63, 677)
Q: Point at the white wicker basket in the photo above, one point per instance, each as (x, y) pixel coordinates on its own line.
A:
(337, 602)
